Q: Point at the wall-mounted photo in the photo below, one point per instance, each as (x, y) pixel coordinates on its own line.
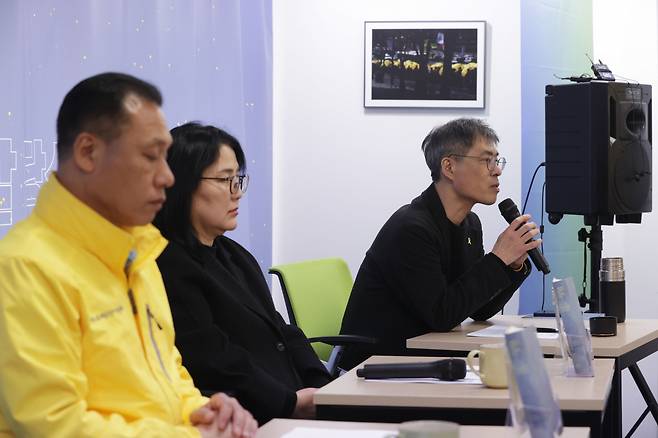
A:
(424, 64)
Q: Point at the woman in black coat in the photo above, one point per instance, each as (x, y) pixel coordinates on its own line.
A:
(227, 330)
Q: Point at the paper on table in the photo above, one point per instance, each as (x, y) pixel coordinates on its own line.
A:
(317, 432)
(498, 331)
(586, 315)
(470, 379)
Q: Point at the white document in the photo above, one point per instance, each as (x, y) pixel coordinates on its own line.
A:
(470, 379)
(498, 331)
(317, 432)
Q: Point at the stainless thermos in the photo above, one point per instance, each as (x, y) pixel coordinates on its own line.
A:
(613, 288)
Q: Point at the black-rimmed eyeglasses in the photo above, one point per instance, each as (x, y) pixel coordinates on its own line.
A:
(235, 182)
(499, 162)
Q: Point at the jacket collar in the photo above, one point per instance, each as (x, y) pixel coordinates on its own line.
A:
(75, 220)
(430, 198)
(255, 288)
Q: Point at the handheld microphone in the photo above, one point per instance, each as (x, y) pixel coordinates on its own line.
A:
(444, 369)
(510, 211)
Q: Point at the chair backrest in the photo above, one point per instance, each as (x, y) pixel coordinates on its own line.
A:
(316, 294)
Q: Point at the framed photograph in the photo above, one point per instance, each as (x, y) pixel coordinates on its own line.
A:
(436, 64)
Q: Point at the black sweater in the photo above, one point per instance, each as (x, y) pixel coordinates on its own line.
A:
(422, 274)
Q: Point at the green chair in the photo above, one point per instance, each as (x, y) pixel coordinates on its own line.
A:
(316, 294)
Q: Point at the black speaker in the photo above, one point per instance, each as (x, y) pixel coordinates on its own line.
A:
(598, 150)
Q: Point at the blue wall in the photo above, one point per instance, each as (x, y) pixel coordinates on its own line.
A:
(555, 35)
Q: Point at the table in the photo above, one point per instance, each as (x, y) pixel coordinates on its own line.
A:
(635, 340)
(278, 427)
(581, 399)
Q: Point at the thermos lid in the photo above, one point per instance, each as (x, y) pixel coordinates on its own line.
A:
(612, 269)
(612, 264)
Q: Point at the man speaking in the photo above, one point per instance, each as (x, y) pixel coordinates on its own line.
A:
(427, 270)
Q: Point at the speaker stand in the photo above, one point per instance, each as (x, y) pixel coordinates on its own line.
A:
(595, 245)
(594, 240)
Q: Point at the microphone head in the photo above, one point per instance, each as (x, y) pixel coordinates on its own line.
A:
(509, 210)
(451, 369)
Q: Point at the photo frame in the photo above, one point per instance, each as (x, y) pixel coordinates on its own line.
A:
(433, 64)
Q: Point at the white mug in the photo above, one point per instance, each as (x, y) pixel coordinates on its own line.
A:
(493, 365)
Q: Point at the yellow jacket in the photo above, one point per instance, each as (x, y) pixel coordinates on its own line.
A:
(78, 356)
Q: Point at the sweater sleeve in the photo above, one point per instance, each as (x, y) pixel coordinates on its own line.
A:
(499, 300)
(423, 287)
(504, 293)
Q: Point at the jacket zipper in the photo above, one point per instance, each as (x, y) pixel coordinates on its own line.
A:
(131, 296)
(155, 344)
(151, 319)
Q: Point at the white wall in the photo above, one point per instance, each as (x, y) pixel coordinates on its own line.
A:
(625, 38)
(341, 170)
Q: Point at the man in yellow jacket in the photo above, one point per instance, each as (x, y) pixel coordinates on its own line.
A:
(86, 334)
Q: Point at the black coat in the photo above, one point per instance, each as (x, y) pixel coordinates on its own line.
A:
(229, 334)
(424, 274)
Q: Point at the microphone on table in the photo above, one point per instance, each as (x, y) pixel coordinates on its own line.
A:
(444, 369)
(510, 211)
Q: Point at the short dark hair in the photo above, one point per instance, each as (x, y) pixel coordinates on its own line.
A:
(194, 148)
(454, 137)
(96, 105)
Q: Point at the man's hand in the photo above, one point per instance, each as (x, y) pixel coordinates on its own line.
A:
(305, 408)
(223, 416)
(513, 244)
(204, 420)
